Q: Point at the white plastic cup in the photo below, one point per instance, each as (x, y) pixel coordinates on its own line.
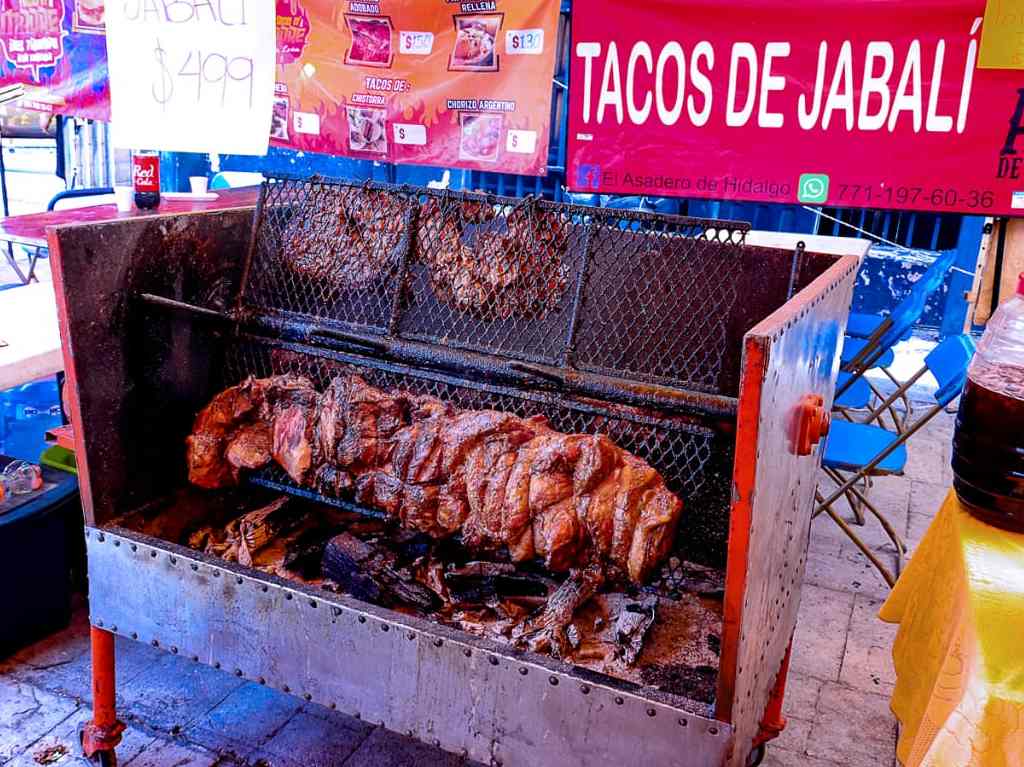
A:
(123, 198)
(198, 184)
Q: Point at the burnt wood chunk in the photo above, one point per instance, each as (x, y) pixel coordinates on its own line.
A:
(368, 572)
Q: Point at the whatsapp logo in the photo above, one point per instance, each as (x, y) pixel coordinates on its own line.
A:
(813, 187)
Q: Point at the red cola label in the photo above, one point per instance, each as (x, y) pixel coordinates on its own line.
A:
(146, 172)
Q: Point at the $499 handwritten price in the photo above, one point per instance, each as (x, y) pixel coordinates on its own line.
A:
(201, 77)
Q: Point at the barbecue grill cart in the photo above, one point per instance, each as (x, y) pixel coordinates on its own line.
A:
(707, 351)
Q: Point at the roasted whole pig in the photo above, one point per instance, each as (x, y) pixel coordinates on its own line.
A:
(577, 501)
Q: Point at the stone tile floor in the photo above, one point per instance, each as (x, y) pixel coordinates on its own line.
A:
(181, 714)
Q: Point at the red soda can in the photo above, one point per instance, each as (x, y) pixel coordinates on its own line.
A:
(146, 179)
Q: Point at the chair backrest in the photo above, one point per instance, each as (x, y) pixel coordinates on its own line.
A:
(948, 362)
(903, 317)
(933, 276)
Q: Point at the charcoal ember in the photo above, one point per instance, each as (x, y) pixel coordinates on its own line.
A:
(572, 634)
(631, 626)
(201, 538)
(259, 528)
(411, 546)
(509, 609)
(368, 571)
(364, 527)
(477, 589)
(430, 572)
(304, 553)
(483, 569)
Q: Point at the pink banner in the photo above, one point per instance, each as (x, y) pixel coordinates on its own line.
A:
(855, 103)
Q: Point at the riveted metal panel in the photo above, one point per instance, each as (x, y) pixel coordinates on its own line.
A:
(789, 355)
(467, 695)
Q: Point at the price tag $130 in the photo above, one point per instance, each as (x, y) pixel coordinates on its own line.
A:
(524, 42)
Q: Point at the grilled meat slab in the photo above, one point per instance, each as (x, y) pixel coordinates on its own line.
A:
(577, 501)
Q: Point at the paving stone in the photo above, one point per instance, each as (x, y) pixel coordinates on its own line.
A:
(65, 737)
(821, 632)
(826, 537)
(169, 753)
(926, 459)
(801, 699)
(246, 719)
(61, 663)
(314, 741)
(867, 662)
(779, 757)
(850, 572)
(853, 727)
(27, 714)
(174, 692)
(388, 749)
(926, 498)
(794, 736)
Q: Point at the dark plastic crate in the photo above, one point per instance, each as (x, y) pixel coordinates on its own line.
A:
(39, 553)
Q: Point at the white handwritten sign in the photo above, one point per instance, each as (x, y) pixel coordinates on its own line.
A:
(191, 75)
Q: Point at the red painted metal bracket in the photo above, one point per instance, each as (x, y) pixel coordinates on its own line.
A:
(774, 722)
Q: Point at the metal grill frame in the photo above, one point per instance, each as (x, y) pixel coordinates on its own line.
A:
(110, 331)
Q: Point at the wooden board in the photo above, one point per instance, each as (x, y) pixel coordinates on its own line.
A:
(28, 328)
(1013, 265)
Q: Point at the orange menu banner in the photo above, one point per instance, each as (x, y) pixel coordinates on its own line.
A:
(429, 82)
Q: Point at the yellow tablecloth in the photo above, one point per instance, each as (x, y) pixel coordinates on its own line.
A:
(959, 652)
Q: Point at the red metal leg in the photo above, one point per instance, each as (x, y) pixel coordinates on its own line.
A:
(774, 722)
(103, 733)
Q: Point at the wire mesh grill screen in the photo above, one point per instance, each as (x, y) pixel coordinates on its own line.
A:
(639, 295)
(694, 458)
(330, 253)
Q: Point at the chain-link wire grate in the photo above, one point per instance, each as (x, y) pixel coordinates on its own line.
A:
(656, 305)
(641, 296)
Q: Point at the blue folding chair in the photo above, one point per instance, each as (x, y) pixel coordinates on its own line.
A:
(865, 332)
(853, 390)
(863, 325)
(854, 452)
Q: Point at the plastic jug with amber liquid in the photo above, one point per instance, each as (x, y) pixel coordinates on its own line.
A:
(988, 444)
